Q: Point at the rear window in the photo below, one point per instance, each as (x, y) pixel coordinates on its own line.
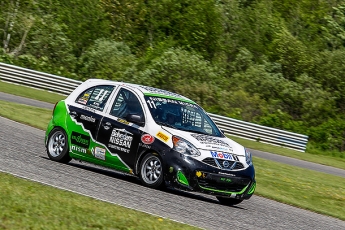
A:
(95, 97)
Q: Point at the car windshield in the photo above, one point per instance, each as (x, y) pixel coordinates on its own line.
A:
(182, 115)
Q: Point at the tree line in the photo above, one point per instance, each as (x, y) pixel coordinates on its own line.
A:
(278, 63)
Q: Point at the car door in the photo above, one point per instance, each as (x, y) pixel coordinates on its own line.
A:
(87, 112)
(121, 136)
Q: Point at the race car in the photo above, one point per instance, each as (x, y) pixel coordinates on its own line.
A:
(163, 138)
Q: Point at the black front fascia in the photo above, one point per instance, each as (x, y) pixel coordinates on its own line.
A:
(120, 138)
(87, 117)
(215, 179)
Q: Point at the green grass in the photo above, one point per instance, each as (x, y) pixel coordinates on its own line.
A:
(33, 116)
(315, 191)
(29, 205)
(32, 93)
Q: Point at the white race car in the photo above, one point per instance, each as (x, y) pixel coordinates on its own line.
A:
(162, 137)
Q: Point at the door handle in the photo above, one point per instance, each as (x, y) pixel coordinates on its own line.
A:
(107, 125)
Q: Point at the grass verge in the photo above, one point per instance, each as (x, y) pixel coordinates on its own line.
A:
(29, 205)
(29, 115)
(32, 93)
(315, 191)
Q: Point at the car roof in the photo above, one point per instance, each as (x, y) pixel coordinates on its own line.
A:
(146, 90)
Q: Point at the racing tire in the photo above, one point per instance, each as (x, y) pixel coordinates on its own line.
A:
(151, 171)
(57, 146)
(228, 201)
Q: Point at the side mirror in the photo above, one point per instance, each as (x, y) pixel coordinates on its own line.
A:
(136, 119)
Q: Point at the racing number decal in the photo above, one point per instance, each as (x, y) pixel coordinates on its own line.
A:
(151, 104)
(100, 96)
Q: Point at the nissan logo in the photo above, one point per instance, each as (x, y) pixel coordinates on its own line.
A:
(226, 164)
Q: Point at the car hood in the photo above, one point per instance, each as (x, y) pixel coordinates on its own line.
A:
(208, 142)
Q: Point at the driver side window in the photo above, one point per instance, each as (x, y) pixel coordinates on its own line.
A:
(126, 103)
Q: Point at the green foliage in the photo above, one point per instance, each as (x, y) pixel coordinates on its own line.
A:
(292, 54)
(333, 29)
(329, 71)
(106, 59)
(176, 66)
(143, 24)
(84, 21)
(330, 135)
(275, 62)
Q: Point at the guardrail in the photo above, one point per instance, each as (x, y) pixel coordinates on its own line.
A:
(242, 129)
(40, 80)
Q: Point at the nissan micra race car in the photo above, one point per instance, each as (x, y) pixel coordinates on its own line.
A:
(161, 137)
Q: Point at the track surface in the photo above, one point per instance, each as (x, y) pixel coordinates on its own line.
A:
(23, 154)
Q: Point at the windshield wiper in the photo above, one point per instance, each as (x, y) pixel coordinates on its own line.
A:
(195, 131)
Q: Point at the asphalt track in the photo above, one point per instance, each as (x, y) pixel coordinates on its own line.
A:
(23, 154)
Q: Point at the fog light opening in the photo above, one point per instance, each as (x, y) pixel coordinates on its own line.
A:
(181, 178)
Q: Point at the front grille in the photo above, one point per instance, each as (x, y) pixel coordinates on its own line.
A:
(210, 161)
(223, 164)
(213, 182)
(238, 165)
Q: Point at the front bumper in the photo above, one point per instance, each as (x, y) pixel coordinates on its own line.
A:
(185, 172)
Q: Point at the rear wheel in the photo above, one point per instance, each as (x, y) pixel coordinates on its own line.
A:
(151, 171)
(57, 146)
(228, 201)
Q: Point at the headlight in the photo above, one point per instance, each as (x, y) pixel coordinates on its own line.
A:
(248, 156)
(184, 147)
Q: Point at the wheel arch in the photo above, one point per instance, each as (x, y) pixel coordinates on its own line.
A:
(141, 157)
(59, 127)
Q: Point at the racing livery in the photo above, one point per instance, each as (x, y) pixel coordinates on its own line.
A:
(162, 137)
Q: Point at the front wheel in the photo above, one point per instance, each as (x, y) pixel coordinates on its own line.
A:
(57, 146)
(151, 171)
(228, 201)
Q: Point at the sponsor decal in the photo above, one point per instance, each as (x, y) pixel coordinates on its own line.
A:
(221, 155)
(162, 136)
(78, 149)
(118, 148)
(203, 139)
(89, 109)
(83, 100)
(151, 102)
(145, 146)
(80, 140)
(121, 138)
(160, 91)
(147, 139)
(99, 153)
(225, 179)
(219, 148)
(122, 121)
(87, 118)
(226, 174)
